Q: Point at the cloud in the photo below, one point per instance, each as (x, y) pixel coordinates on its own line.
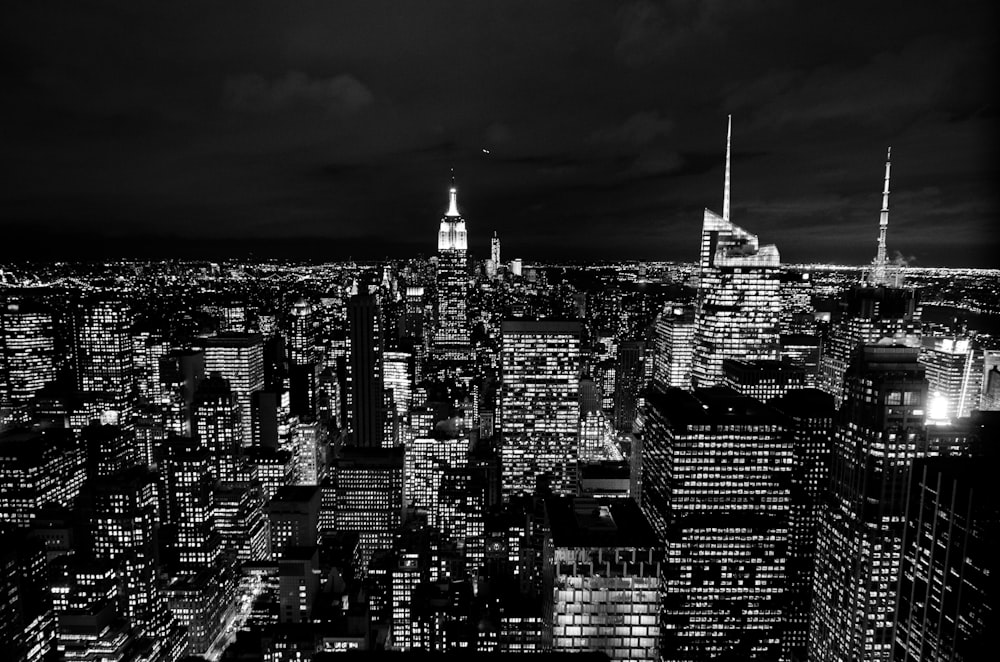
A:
(640, 129)
(341, 94)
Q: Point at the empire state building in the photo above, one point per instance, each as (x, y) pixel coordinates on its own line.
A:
(451, 338)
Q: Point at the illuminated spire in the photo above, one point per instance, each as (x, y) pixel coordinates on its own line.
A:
(879, 274)
(725, 195)
(453, 197)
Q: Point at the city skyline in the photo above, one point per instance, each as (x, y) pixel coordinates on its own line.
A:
(295, 137)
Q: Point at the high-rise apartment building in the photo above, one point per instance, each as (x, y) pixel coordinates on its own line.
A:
(738, 303)
(451, 337)
(239, 359)
(716, 486)
(539, 405)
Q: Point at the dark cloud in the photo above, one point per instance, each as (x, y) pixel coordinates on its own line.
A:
(586, 128)
(337, 94)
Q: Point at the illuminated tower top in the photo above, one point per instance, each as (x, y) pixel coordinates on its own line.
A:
(880, 265)
(452, 233)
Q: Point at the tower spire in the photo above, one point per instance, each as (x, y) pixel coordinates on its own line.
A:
(725, 194)
(880, 266)
(452, 197)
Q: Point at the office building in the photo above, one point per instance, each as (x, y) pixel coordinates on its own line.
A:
(27, 351)
(218, 427)
(366, 388)
(451, 336)
(103, 343)
(762, 379)
(603, 579)
(947, 584)
(239, 359)
(673, 346)
(716, 475)
(629, 382)
(365, 494)
(878, 433)
(37, 467)
(539, 405)
(809, 414)
(954, 370)
(738, 303)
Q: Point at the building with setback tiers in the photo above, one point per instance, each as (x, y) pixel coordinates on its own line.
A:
(716, 486)
(539, 405)
(878, 433)
(738, 303)
(451, 337)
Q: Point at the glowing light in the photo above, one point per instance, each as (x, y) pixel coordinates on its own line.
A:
(937, 409)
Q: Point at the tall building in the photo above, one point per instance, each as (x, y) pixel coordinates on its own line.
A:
(294, 515)
(878, 433)
(539, 405)
(366, 375)
(451, 337)
(990, 398)
(124, 531)
(189, 482)
(716, 474)
(495, 252)
(104, 353)
(673, 345)
(27, 351)
(809, 414)
(762, 379)
(738, 304)
(947, 585)
(37, 468)
(399, 379)
(867, 315)
(603, 578)
(239, 359)
(954, 371)
(364, 494)
(428, 460)
(218, 427)
(629, 382)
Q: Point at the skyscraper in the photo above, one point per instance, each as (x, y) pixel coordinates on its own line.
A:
(879, 432)
(239, 359)
(716, 470)
(947, 584)
(629, 382)
(495, 253)
(954, 377)
(104, 352)
(451, 337)
(602, 578)
(738, 305)
(27, 351)
(367, 371)
(673, 345)
(810, 415)
(539, 405)
(218, 427)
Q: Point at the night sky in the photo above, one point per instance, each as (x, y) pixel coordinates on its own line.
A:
(328, 129)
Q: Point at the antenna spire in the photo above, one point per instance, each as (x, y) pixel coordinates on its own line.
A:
(725, 195)
(881, 264)
(452, 197)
